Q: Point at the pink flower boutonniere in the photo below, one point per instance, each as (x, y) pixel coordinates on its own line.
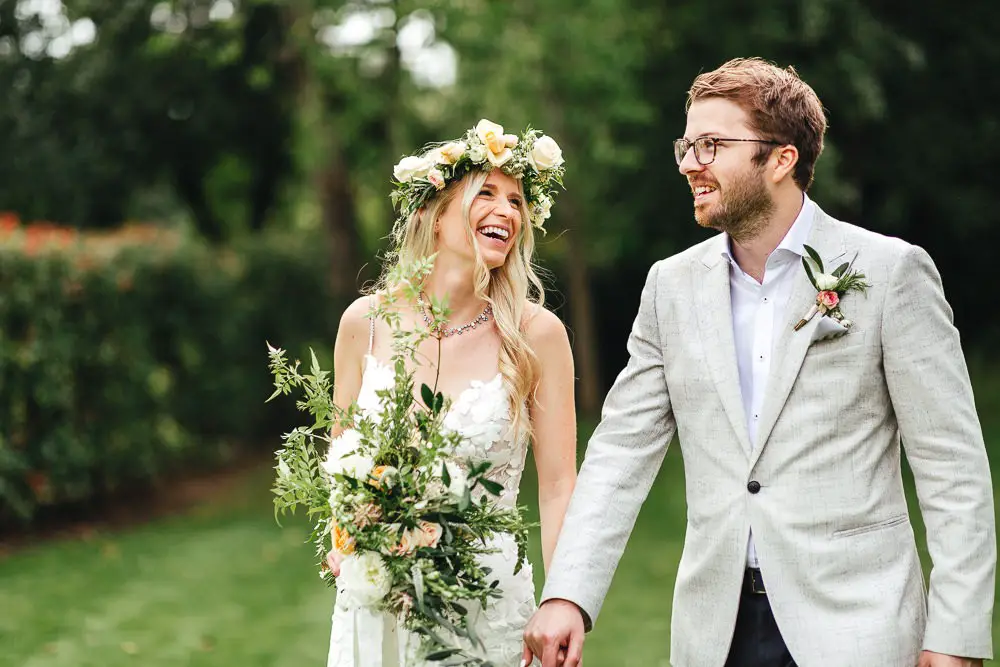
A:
(831, 288)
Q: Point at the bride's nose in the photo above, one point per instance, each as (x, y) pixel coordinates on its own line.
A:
(505, 210)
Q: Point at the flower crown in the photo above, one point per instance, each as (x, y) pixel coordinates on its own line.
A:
(534, 158)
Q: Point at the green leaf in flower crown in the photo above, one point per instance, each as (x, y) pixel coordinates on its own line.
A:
(438, 402)
(809, 273)
(491, 486)
(839, 271)
(815, 257)
(427, 395)
(445, 475)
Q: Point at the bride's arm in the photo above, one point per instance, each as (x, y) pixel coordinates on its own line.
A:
(553, 419)
(348, 355)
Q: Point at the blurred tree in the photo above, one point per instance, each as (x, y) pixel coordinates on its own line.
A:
(158, 90)
(569, 68)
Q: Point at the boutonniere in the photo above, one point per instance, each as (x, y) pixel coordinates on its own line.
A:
(831, 287)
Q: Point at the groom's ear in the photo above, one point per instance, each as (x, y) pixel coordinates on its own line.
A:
(784, 158)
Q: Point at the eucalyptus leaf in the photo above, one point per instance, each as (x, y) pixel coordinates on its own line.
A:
(442, 654)
(418, 586)
(427, 395)
(465, 501)
(491, 486)
(815, 257)
(809, 273)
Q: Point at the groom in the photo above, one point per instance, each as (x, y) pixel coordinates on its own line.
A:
(799, 549)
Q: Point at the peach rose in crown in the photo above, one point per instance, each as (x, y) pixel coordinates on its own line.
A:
(828, 299)
(436, 178)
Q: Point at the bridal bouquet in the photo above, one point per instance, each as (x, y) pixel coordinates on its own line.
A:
(408, 518)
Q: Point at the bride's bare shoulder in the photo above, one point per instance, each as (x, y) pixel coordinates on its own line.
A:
(542, 327)
(357, 312)
(353, 332)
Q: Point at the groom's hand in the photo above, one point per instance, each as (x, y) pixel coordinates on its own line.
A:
(555, 635)
(932, 659)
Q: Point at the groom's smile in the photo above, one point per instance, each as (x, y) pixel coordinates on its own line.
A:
(702, 191)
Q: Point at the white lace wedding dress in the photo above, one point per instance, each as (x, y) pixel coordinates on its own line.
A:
(482, 414)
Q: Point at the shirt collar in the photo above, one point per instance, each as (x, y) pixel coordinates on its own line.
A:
(796, 236)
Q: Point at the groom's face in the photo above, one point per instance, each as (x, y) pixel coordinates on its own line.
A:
(730, 193)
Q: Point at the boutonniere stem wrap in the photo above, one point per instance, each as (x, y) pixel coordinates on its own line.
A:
(830, 287)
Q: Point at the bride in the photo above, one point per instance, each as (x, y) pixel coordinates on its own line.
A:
(505, 360)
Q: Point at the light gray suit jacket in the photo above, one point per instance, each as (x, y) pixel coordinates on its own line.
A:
(830, 523)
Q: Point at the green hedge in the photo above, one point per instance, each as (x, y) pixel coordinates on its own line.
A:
(127, 355)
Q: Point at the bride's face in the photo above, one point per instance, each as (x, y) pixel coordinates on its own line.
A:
(495, 219)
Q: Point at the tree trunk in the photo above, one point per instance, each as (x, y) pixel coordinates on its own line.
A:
(329, 173)
(339, 220)
(582, 317)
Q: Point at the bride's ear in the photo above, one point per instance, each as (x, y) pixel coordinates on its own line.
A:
(422, 212)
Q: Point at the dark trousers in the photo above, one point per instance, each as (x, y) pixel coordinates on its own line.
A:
(756, 640)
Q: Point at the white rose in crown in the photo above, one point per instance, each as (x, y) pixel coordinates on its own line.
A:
(364, 578)
(411, 167)
(541, 209)
(342, 458)
(545, 153)
(824, 281)
(498, 145)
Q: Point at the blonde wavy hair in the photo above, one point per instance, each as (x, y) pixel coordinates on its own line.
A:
(506, 288)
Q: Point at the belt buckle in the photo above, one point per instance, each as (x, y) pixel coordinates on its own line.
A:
(756, 582)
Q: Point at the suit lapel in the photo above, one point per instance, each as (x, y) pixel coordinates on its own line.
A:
(715, 323)
(792, 346)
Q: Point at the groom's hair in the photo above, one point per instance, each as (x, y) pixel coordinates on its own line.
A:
(780, 106)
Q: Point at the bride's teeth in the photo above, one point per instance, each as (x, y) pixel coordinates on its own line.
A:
(499, 231)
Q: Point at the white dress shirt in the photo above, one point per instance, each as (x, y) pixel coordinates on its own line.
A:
(759, 312)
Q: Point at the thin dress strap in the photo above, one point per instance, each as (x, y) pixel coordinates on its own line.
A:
(371, 326)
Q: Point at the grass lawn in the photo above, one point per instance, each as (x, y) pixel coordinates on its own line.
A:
(222, 585)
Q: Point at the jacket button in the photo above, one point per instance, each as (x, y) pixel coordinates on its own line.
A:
(753, 486)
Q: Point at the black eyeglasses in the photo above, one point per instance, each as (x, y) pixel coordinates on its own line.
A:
(704, 148)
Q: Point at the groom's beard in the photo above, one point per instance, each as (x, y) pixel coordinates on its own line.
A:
(743, 209)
